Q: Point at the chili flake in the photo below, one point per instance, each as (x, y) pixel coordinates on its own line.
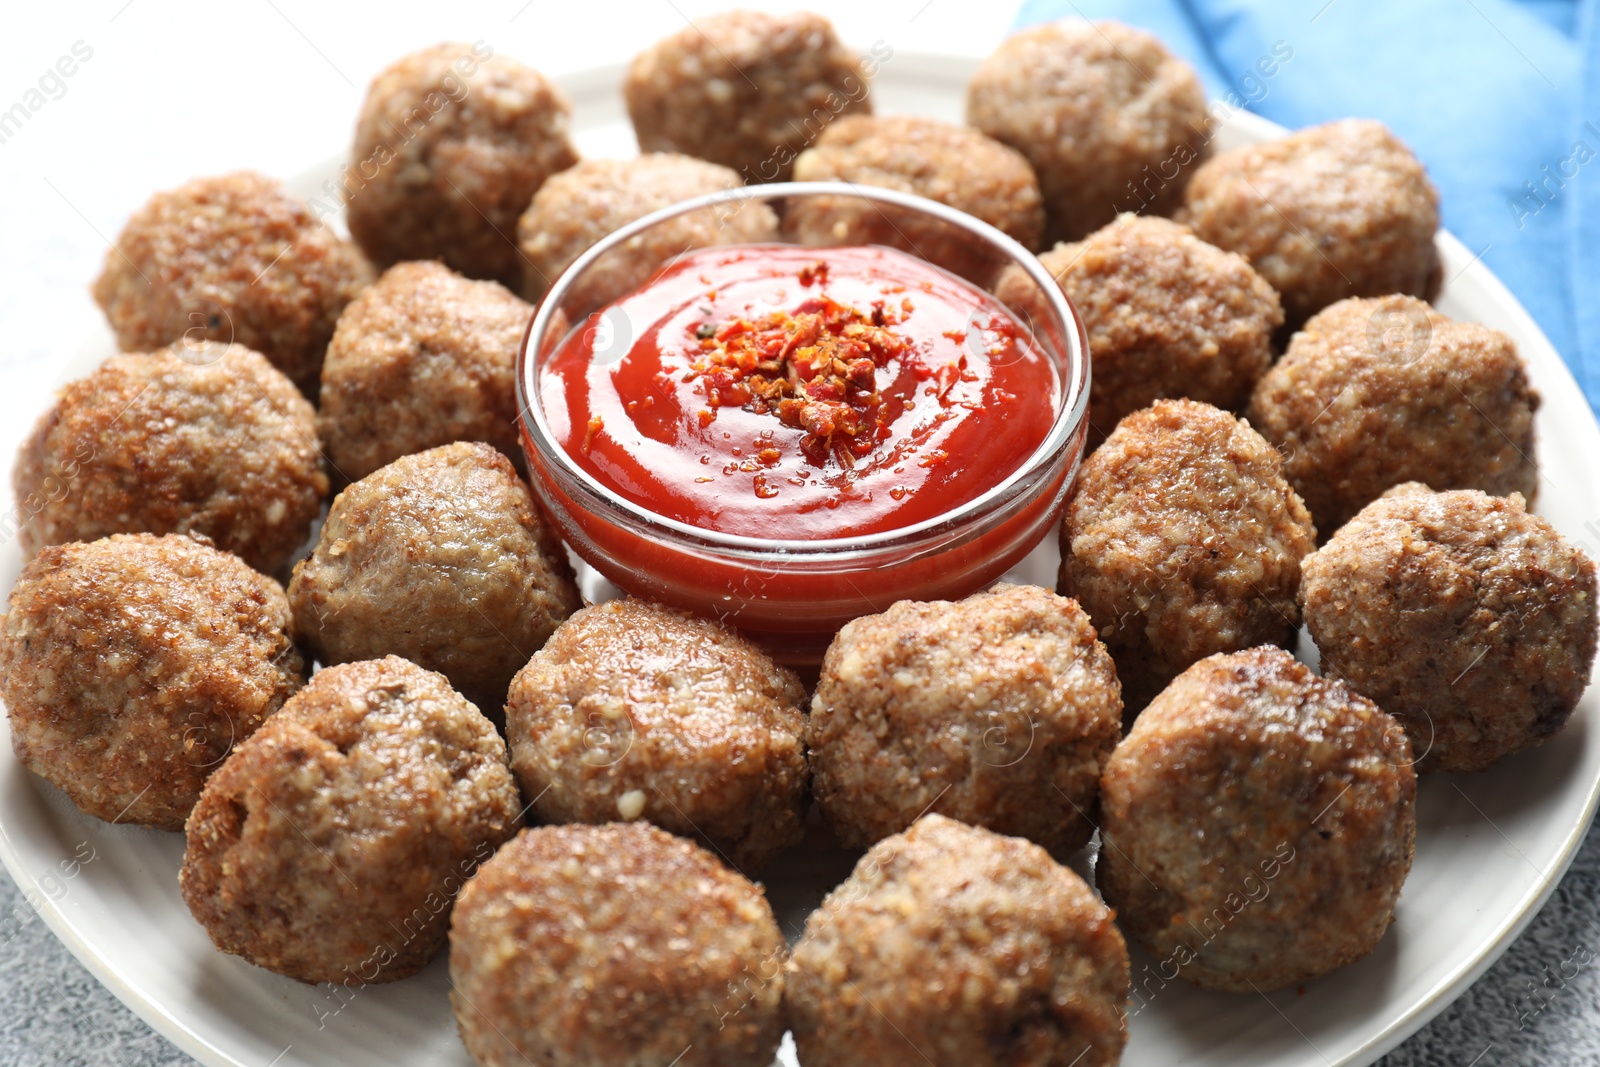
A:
(815, 369)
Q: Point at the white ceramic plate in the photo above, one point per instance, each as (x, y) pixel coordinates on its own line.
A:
(1490, 847)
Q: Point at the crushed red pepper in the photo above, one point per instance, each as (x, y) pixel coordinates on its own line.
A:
(815, 369)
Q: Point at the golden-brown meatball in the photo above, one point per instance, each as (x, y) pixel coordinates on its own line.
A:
(997, 710)
(952, 944)
(1167, 316)
(615, 946)
(231, 259)
(1333, 211)
(422, 358)
(578, 207)
(203, 438)
(451, 144)
(441, 557)
(130, 666)
(330, 846)
(745, 89)
(943, 161)
(635, 710)
(1460, 614)
(1182, 539)
(1373, 393)
(1257, 823)
(1110, 119)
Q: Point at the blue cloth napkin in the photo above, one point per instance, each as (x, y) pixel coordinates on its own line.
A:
(1500, 98)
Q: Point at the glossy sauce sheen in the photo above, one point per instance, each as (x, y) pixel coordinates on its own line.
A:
(956, 407)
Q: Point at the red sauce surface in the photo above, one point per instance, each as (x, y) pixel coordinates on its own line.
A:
(784, 392)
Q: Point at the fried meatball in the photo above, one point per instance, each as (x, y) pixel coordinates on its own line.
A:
(1167, 315)
(451, 144)
(1257, 823)
(615, 946)
(952, 944)
(231, 259)
(635, 710)
(441, 557)
(1373, 393)
(955, 165)
(1460, 614)
(1104, 113)
(423, 358)
(330, 846)
(1332, 211)
(745, 89)
(203, 438)
(1182, 539)
(130, 666)
(578, 207)
(997, 710)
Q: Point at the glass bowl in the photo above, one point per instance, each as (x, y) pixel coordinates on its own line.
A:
(794, 595)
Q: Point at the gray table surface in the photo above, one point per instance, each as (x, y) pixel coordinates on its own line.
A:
(1529, 1010)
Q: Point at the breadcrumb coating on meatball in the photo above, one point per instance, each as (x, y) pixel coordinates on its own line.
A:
(615, 946)
(952, 944)
(1462, 615)
(1257, 824)
(1373, 393)
(998, 710)
(636, 710)
(422, 358)
(131, 665)
(1183, 539)
(232, 258)
(330, 846)
(451, 144)
(202, 438)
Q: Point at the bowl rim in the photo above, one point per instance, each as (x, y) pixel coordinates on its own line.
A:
(1071, 411)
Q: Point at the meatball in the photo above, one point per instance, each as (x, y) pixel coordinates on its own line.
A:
(1167, 315)
(441, 557)
(1182, 539)
(952, 944)
(330, 846)
(423, 358)
(1330, 212)
(1373, 393)
(745, 89)
(615, 946)
(451, 144)
(635, 710)
(1466, 618)
(955, 165)
(232, 259)
(1257, 823)
(578, 207)
(1110, 119)
(130, 666)
(998, 710)
(207, 439)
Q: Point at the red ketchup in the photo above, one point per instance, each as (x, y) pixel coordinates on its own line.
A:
(794, 393)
